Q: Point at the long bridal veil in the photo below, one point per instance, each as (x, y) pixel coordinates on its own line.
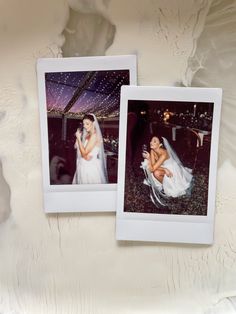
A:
(172, 154)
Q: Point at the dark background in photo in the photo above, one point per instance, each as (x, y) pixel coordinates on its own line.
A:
(187, 126)
(69, 96)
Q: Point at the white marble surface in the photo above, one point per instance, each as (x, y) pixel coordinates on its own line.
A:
(72, 263)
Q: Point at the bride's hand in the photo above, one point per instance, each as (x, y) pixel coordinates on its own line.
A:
(88, 157)
(78, 134)
(146, 155)
(169, 173)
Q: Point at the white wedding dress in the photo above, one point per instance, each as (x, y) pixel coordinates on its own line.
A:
(178, 184)
(93, 170)
(174, 186)
(89, 171)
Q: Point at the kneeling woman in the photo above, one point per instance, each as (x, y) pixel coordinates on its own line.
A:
(166, 169)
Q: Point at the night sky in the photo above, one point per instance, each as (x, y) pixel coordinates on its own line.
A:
(99, 92)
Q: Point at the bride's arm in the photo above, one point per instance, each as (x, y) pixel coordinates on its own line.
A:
(85, 150)
(155, 164)
(167, 172)
(152, 158)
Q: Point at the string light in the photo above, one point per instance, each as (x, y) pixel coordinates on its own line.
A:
(101, 96)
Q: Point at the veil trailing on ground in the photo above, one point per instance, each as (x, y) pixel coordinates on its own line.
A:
(101, 154)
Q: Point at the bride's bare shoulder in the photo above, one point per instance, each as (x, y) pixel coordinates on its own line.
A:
(163, 152)
(95, 138)
(92, 138)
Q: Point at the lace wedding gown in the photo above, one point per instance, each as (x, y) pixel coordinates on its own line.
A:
(89, 171)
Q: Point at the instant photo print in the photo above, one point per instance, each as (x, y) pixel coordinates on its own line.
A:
(168, 163)
(79, 101)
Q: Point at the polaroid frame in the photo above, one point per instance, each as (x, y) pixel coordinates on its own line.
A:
(167, 227)
(73, 197)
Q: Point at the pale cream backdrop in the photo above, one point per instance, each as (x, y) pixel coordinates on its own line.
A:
(59, 264)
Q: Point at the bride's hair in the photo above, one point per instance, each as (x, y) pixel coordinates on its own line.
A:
(89, 117)
(161, 143)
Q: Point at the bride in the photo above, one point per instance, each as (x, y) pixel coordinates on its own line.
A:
(90, 162)
(165, 169)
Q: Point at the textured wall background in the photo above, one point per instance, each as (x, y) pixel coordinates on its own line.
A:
(71, 263)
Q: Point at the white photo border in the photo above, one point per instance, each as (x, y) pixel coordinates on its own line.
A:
(168, 227)
(76, 198)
